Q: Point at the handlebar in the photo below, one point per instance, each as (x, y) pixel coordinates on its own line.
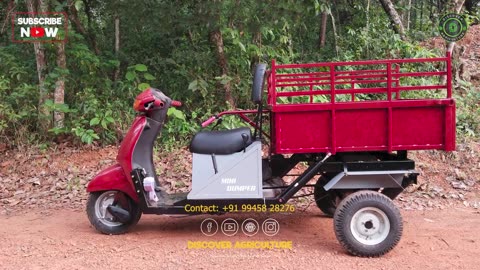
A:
(209, 121)
(176, 103)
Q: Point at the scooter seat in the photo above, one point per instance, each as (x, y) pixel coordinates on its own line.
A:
(221, 142)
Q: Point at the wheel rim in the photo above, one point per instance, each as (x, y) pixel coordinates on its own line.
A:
(103, 215)
(370, 226)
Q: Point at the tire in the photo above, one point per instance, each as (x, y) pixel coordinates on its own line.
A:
(102, 220)
(367, 214)
(325, 200)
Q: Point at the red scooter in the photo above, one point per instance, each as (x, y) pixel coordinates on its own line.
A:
(229, 173)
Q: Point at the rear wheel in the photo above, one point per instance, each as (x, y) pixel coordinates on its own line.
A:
(325, 200)
(368, 224)
(103, 220)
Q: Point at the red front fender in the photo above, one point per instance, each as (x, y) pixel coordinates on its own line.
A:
(112, 178)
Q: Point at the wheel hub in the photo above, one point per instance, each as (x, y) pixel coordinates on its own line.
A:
(370, 226)
(101, 211)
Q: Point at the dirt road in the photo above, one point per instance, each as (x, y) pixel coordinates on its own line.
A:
(64, 239)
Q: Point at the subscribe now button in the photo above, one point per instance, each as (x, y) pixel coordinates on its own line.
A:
(231, 227)
(39, 27)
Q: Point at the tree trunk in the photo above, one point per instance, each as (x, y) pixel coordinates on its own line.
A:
(59, 94)
(323, 29)
(217, 41)
(7, 21)
(456, 6)
(368, 14)
(73, 16)
(408, 14)
(257, 40)
(334, 28)
(394, 18)
(117, 45)
(44, 117)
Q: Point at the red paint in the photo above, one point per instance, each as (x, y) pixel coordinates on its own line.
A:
(388, 123)
(143, 99)
(117, 177)
(112, 178)
(176, 103)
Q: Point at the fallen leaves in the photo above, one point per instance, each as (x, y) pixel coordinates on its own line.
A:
(58, 179)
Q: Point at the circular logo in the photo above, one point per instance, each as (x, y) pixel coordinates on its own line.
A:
(270, 227)
(209, 226)
(452, 27)
(229, 227)
(250, 227)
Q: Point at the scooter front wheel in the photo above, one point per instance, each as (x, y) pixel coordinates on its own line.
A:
(101, 217)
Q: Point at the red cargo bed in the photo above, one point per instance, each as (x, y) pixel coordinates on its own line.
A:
(362, 106)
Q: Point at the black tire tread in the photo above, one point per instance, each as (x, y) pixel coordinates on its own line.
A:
(325, 205)
(353, 201)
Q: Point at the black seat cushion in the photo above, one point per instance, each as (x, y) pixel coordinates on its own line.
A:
(221, 142)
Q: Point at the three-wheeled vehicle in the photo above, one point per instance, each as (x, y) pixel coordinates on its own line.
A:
(351, 123)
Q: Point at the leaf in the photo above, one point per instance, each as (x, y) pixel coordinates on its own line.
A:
(130, 76)
(78, 4)
(49, 102)
(104, 124)
(94, 121)
(140, 67)
(85, 137)
(176, 113)
(242, 47)
(170, 61)
(179, 114)
(143, 86)
(148, 76)
(193, 85)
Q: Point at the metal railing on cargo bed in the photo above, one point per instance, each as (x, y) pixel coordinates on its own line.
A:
(389, 96)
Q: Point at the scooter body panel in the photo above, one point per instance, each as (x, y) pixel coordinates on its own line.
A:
(112, 178)
(117, 177)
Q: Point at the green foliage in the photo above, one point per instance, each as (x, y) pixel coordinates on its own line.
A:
(174, 53)
(468, 110)
(178, 129)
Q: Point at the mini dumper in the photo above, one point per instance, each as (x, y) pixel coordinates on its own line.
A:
(351, 123)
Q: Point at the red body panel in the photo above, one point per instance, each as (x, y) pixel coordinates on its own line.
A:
(112, 178)
(117, 177)
(315, 107)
